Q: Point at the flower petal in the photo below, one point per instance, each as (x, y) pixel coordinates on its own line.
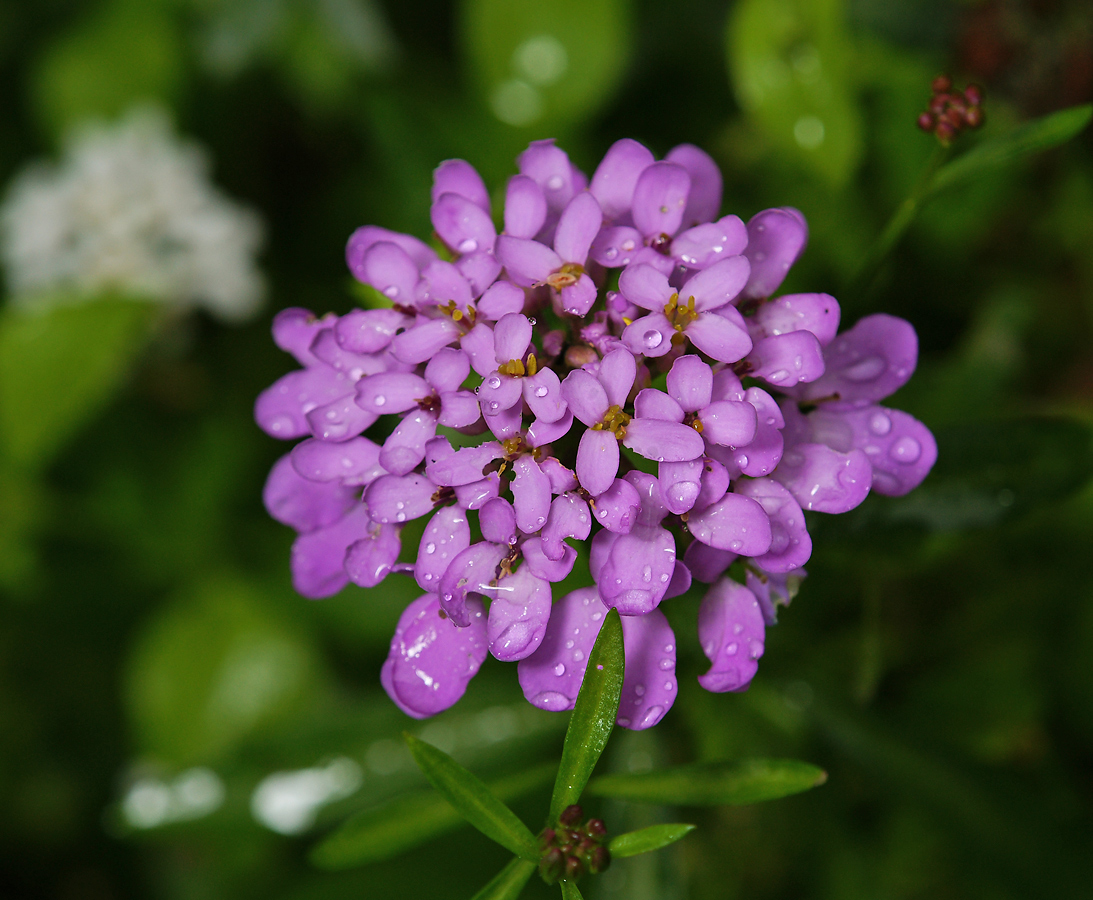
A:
(787, 359)
(500, 298)
(525, 207)
(790, 545)
(645, 286)
(731, 423)
(719, 337)
(463, 225)
(527, 262)
(497, 521)
(735, 523)
(370, 560)
(318, 557)
(702, 246)
(585, 396)
(347, 461)
(339, 420)
(818, 313)
(704, 198)
(707, 563)
(776, 238)
(680, 483)
(823, 479)
(660, 198)
(431, 661)
(543, 395)
(405, 447)
(361, 240)
(389, 269)
(650, 335)
(304, 504)
(638, 570)
(653, 404)
(519, 611)
(732, 633)
(470, 572)
(552, 570)
(391, 392)
(447, 535)
(578, 226)
(369, 330)
(530, 494)
(618, 507)
(281, 409)
(616, 246)
(597, 460)
(616, 176)
(423, 341)
(717, 286)
(649, 684)
(457, 176)
(399, 498)
(465, 465)
(294, 329)
(568, 518)
(663, 441)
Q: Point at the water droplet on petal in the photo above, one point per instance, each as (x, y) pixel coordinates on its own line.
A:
(623, 722)
(541, 391)
(610, 253)
(391, 291)
(559, 670)
(663, 578)
(652, 339)
(865, 370)
(639, 689)
(430, 547)
(732, 648)
(667, 664)
(401, 517)
(646, 573)
(494, 382)
(737, 628)
(735, 546)
(778, 377)
(379, 400)
(555, 182)
(880, 423)
(467, 246)
(906, 450)
(578, 655)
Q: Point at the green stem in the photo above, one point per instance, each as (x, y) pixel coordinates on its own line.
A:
(864, 279)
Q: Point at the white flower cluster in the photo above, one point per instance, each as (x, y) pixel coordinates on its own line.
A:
(130, 208)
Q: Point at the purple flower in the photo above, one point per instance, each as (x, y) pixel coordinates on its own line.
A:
(517, 393)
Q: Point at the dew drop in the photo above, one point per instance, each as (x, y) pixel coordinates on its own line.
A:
(667, 665)
(559, 670)
(735, 546)
(391, 291)
(906, 450)
(663, 578)
(493, 383)
(379, 400)
(756, 649)
(880, 423)
(639, 689)
(647, 573)
(597, 616)
(467, 246)
(401, 517)
(569, 645)
(578, 655)
(732, 648)
(652, 339)
(541, 391)
(610, 253)
(555, 182)
(623, 722)
(737, 628)
(430, 547)
(778, 377)
(742, 461)
(865, 370)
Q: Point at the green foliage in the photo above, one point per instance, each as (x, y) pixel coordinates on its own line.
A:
(652, 838)
(593, 715)
(509, 882)
(570, 891)
(548, 63)
(411, 819)
(59, 367)
(735, 783)
(126, 52)
(212, 670)
(791, 63)
(473, 800)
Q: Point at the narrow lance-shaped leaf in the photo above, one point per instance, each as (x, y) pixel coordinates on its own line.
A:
(570, 891)
(1032, 137)
(473, 800)
(508, 883)
(736, 783)
(593, 716)
(645, 839)
(409, 821)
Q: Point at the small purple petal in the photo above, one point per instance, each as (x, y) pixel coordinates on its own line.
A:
(340, 420)
(645, 286)
(361, 240)
(369, 330)
(525, 207)
(787, 359)
(773, 590)
(663, 441)
(680, 483)
(719, 337)
(764, 452)
(294, 329)
(638, 570)
(660, 198)
(690, 383)
(501, 298)
(326, 348)
(470, 572)
(653, 404)
(541, 433)
(448, 369)
(479, 270)
(304, 504)
(718, 285)
(431, 660)
(818, 313)
(281, 409)
(731, 423)
(650, 335)
(585, 396)
(707, 563)
(399, 498)
(318, 557)
(543, 395)
(552, 570)
(616, 176)
(528, 262)
(790, 545)
(391, 392)
(498, 393)
(519, 611)
(776, 238)
(389, 269)
(478, 345)
(511, 336)
(577, 299)
(457, 176)
(458, 409)
(461, 224)
(653, 510)
(702, 246)
(561, 477)
(616, 246)
(568, 518)
(823, 479)
(447, 535)
(497, 521)
(732, 633)
(579, 224)
(715, 482)
(597, 460)
(348, 461)
(442, 283)
(477, 493)
(405, 447)
(704, 199)
(735, 523)
(505, 423)
(424, 341)
(464, 466)
(617, 508)
(551, 677)
(549, 166)
(370, 560)
(649, 684)
(617, 372)
(530, 494)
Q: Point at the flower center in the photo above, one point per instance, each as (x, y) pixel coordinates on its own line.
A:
(678, 314)
(466, 317)
(615, 421)
(567, 275)
(517, 369)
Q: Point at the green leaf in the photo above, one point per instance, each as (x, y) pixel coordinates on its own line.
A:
(593, 715)
(790, 62)
(570, 891)
(652, 838)
(548, 60)
(473, 800)
(1032, 137)
(508, 883)
(408, 821)
(735, 783)
(58, 367)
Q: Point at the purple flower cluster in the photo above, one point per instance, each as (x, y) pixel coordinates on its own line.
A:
(530, 372)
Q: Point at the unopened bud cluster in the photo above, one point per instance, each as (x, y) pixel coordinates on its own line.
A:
(572, 849)
(951, 111)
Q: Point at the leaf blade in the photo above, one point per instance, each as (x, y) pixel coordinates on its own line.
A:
(570, 891)
(408, 821)
(1032, 137)
(507, 884)
(593, 715)
(724, 783)
(646, 839)
(473, 800)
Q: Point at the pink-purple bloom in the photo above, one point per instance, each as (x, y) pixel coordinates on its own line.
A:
(611, 368)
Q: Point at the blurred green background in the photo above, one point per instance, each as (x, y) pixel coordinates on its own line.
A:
(176, 723)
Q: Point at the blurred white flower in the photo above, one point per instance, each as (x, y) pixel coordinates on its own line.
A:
(130, 208)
